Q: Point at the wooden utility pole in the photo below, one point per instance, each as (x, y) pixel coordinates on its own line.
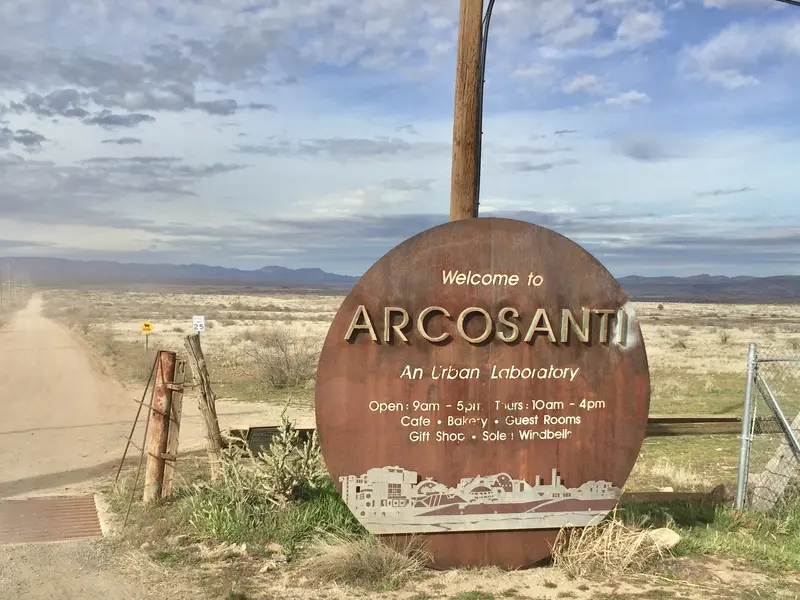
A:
(466, 137)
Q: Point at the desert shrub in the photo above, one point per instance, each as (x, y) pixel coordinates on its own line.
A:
(282, 495)
(365, 561)
(282, 359)
(129, 360)
(610, 549)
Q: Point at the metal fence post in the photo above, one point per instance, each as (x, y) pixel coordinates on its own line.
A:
(744, 450)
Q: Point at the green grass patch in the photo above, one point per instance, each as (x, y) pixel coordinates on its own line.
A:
(474, 595)
(769, 541)
(676, 392)
(713, 458)
(212, 512)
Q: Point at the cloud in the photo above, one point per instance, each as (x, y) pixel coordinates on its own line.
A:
(14, 245)
(123, 141)
(30, 140)
(640, 28)
(644, 148)
(59, 103)
(726, 191)
(540, 74)
(109, 120)
(409, 185)
(627, 99)
(95, 190)
(531, 167)
(621, 244)
(346, 148)
(730, 59)
(582, 83)
(261, 128)
(746, 4)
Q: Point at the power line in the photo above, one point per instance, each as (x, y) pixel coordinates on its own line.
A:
(482, 80)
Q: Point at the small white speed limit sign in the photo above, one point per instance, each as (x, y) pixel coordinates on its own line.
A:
(199, 324)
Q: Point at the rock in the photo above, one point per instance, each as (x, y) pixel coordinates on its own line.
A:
(223, 551)
(145, 546)
(275, 548)
(665, 538)
(722, 494)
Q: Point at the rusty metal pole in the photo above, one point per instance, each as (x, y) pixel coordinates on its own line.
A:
(158, 431)
(466, 132)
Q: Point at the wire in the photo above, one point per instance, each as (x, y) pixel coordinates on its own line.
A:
(481, 82)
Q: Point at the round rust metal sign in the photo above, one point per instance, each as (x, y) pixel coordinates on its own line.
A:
(483, 385)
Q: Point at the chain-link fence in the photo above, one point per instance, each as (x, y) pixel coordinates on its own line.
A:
(769, 465)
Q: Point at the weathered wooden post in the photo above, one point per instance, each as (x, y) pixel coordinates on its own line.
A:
(158, 430)
(207, 403)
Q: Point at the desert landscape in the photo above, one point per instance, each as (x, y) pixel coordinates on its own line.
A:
(697, 355)
(261, 347)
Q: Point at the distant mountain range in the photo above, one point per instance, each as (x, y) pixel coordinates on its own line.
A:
(59, 272)
(56, 272)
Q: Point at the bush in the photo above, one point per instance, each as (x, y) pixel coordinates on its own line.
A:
(365, 561)
(282, 495)
(609, 549)
(283, 359)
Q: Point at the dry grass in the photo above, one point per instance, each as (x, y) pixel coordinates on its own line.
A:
(610, 549)
(679, 477)
(263, 347)
(365, 561)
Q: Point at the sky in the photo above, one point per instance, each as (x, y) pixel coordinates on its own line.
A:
(660, 135)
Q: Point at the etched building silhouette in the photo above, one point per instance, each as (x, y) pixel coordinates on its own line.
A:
(393, 500)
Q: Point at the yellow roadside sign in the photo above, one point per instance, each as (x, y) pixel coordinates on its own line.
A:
(147, 327)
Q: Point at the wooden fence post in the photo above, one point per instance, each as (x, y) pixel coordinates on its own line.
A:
(174, 429)
(206, 403)
(158, 431)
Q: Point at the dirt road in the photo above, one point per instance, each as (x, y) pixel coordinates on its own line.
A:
(62, 423)
(64, 420)
(62, 430)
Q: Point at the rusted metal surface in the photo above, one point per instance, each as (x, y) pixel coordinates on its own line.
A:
(158, 432)
(173, 434)
(49, 519)
(353, 374)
